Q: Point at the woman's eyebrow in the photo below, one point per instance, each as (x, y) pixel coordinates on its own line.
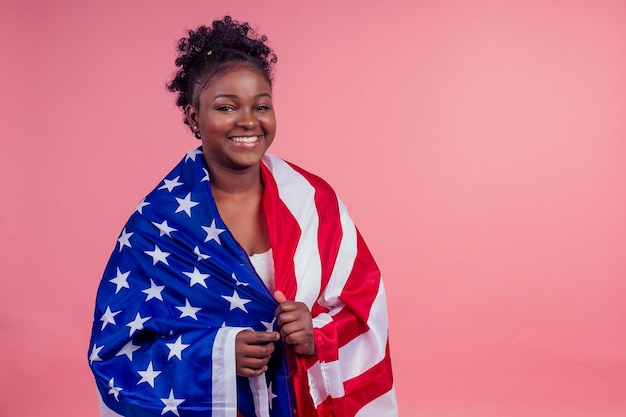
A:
(234, 96)
(225, 96)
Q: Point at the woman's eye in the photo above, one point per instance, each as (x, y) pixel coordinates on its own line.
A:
(263, 107)
(225, 108)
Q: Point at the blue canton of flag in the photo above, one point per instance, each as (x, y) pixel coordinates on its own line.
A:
(175, 292)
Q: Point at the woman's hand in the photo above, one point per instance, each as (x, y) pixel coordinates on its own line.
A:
(295, 324)
(253, 351)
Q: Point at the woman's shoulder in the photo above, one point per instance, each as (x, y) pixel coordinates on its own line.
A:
(287, 173)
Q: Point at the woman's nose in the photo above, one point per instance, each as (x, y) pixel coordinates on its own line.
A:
(247, 119)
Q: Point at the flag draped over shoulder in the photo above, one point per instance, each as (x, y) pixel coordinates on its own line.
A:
(178, 288)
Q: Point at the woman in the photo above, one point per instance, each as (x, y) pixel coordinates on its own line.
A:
(239, 286)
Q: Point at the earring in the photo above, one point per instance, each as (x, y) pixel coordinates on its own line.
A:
(194, 129)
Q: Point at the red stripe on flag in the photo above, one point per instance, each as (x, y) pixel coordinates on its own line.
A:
(358, 294)
(329, 233)
(284, 233)
(360, 390)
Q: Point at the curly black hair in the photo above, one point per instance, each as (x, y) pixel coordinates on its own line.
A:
(208, 51)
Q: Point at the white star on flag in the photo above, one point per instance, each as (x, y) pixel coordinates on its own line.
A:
(170, 184)
(120, 280)
(137, 324)
(109, 317)
(148, 375)
(213, 233)
(176, 348)
(171, 403)
(196, 277)
(270, 395)
(206, 175)
(164, 228)
(188, 311)
(128, 350)
(236, 301)
(154, 291)
(141, 205)
(201, 256)
(237, 282)
(124, 239)
(192, 154)
(269, 325)
(114, 390)
(185, 204)
(93, 356)
(157, 255)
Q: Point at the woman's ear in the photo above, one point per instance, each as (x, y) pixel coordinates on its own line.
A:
(192, 115)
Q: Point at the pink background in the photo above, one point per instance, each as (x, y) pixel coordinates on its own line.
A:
(480, 147)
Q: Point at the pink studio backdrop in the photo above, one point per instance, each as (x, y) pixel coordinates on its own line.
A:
(480, 147)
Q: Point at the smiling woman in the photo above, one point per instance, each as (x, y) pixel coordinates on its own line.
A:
(240, 286)
(235, 119)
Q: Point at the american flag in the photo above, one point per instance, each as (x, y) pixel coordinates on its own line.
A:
(178, 288)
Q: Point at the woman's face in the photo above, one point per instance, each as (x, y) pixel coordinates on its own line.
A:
(235, 119)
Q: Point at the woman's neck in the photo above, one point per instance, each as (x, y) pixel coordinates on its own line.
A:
(238, 197)
(235, 182)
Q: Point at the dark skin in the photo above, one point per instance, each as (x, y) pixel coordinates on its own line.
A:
(295, 323)
(235, 119)
(254, 349)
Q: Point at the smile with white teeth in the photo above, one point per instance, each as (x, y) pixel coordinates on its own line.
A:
(244, 139)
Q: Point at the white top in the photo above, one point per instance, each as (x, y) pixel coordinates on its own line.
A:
(264, 265)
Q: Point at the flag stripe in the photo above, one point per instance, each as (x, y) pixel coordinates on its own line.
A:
(299, 197)
(362, 390)
(367, 349)
(259, 392)
(330, 231)
(380, 406)
(284, 232)
(353, 301)
(347, 254)
(362, 288)
(369, 386)
(224, 382)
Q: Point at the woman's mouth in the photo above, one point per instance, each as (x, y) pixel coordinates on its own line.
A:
(245, 139)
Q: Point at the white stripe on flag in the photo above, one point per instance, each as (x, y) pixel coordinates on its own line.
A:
(325, 381)
(321, 320)
(317, 385)
(224, 373)
(355, 358)
(369, 348)
(345, 262)
(259, 393)
(299, 197)
(383, 406)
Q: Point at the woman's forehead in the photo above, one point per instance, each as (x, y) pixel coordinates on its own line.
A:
(239, 80)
